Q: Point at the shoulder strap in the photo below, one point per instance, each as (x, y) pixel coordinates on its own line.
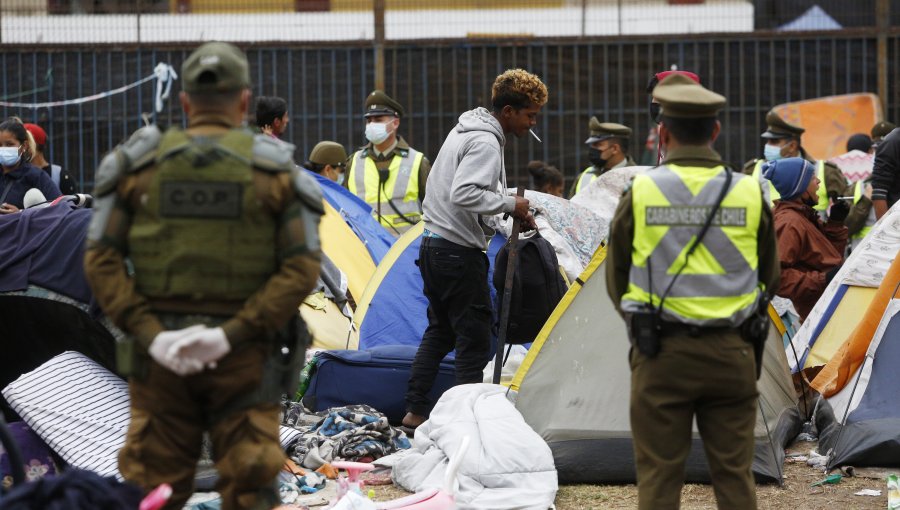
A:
(555, 282)
(699, 238)
(132, 156)
(172, 142)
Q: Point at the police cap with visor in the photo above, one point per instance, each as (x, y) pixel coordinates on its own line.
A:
(681, 97)
(778, 128)
(379, 103)
(600, 131)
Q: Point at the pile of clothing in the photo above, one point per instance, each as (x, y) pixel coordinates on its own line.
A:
(357, 433)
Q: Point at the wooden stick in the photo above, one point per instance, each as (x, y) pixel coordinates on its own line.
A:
(511, 263)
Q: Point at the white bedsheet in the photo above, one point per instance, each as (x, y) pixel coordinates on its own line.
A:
(507, 465)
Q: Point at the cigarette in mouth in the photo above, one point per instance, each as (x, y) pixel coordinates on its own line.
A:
(535, 136)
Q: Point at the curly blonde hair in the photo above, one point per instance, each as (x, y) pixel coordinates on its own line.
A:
(518, 88)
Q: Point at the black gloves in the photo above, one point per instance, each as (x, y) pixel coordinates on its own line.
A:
(839, 211)
(829, 275)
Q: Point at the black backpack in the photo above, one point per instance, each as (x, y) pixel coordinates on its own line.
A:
(538, 286)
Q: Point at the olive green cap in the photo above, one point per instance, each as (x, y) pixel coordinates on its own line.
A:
(379, 103)
(681, 97)
(215, 67)
(882, 129)
(778, 128)
(328, 153)
(605, 130)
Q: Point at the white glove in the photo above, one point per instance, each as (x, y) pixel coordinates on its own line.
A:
(206, 346)
(163, 342)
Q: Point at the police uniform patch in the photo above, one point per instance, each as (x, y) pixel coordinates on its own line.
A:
(695, 216)
(188, 199)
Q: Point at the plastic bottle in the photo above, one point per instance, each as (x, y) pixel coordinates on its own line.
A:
(893, 487)
(305, 377)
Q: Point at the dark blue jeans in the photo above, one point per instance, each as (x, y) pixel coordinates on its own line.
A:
(459, 317)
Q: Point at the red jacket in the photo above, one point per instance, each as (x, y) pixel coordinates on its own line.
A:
(807, 249)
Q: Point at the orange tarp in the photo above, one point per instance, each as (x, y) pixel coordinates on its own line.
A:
(850, 355)
(830, 121)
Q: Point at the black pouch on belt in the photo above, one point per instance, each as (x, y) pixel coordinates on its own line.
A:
(645, 332)
(755, 330)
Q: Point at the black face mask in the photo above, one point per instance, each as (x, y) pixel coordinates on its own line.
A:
(595, 158)
(655, 109)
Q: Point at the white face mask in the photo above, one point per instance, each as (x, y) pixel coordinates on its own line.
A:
(772, 152)
(340, 179)
(376, 132)
(9, 156)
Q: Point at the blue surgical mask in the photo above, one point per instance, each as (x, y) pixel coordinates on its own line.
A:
(772, 152)
(376, 132)
(9, 156)
(340, 179)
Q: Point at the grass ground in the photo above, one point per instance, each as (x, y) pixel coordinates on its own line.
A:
(796, 494)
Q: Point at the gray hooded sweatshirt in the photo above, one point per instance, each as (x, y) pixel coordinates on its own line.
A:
(468, 180)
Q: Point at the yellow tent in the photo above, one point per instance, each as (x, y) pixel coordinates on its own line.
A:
(348, 253)
(330, 329)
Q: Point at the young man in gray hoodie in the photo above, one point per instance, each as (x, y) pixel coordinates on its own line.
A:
(466, 183)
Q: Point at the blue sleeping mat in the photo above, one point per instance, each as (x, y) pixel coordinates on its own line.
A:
(377, 377)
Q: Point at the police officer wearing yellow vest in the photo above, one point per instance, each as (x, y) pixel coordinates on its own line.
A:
(783, 141)
(608, 149)
(387, 173)
(689, 358)
(220, 229)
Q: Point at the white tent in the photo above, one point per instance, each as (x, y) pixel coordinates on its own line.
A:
(574, 388)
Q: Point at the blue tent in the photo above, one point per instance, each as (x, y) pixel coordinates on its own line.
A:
(860, 424)
(358, 215)
(393, 310)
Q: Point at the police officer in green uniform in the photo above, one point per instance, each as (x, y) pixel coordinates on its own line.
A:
(783, 141)
(328, 159)
(686, 301)
(387, 173)
(608, 149)
(220, 229)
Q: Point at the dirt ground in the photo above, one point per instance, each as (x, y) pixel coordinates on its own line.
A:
(796, 494)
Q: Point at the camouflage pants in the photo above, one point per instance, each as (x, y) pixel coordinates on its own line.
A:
(169, 415)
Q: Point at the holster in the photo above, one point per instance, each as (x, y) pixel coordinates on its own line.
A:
(131, 362)
(755, 330)
(645, 332)
(290, 356)
(281, 370)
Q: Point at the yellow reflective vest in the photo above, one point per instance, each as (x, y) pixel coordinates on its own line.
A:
(401, 188)
(719, 284)
(586, 177)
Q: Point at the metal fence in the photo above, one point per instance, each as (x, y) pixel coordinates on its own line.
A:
(157, 21)
(326, 87)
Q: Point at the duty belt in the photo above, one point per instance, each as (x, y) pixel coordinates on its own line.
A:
(677, 328)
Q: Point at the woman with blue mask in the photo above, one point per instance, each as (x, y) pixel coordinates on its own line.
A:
(18, 175)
